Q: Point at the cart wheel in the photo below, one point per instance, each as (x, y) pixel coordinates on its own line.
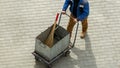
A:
(49, 66)
(36, 59)
(67, 53)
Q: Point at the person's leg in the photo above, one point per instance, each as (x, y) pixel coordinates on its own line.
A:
(70, 26)
(84, 28)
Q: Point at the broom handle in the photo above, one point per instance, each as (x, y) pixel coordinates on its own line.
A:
(57, 16)
(55, 22)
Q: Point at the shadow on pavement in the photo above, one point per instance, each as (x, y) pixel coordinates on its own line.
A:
(39, 65)
(86, 58)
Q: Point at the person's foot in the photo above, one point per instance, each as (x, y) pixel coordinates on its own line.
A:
(82, 35)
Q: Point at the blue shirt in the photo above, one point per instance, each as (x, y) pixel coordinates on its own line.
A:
(82, 11)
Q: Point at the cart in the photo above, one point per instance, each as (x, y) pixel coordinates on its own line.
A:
(49, 55)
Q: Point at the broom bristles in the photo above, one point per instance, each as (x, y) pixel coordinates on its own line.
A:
(50, 40)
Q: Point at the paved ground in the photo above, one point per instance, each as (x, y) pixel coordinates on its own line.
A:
(22, 20)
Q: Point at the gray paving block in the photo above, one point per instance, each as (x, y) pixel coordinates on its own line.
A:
(21, 21)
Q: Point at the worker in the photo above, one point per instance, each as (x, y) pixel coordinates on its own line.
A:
(79, 11)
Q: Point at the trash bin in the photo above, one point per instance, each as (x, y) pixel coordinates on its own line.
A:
(61, 42)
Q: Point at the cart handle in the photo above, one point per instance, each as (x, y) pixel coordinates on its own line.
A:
(61, 16)
(76, 27)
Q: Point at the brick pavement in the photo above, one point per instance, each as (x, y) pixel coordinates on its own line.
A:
(21, 21)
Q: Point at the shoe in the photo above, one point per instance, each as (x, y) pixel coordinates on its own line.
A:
(82, 35)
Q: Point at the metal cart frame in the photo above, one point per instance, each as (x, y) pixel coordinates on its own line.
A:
(65, 52)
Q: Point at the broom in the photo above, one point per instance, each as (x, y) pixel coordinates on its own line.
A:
(50, 39)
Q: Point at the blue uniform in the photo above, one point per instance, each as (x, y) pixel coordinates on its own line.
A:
(82, 9)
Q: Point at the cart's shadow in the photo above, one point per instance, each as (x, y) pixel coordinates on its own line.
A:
(80, 59)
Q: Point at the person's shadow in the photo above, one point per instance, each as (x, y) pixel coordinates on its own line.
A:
(85, 58)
